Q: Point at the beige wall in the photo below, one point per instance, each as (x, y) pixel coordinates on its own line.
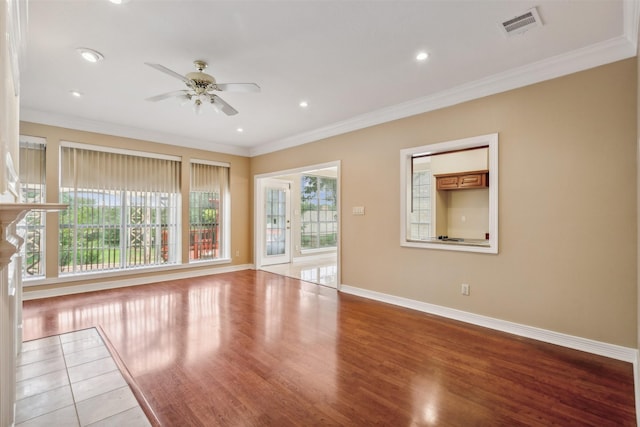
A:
(567, 212)
(240, 228)
(464, 161)
(468, 213)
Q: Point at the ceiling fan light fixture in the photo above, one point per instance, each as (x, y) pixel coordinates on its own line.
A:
(197, 106)
(90, 55)
(200, 87)
(216, 107)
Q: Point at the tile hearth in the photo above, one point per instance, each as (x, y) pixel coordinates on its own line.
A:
(72, 380)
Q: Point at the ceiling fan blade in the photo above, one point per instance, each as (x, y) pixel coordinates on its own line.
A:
(165, 70)
(168, 95)
(223, 106)
(238, 87)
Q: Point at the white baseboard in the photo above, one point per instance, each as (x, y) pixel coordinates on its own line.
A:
(121, 283)
(613, 351)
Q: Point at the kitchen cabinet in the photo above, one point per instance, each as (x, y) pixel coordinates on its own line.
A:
(462, 180)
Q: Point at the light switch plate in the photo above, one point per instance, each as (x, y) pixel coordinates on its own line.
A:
(358, 210)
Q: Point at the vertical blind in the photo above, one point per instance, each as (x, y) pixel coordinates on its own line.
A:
(32, 166)
(32, 190)
(207, 198)
(209, 178)
(123, 210)
(83, 168)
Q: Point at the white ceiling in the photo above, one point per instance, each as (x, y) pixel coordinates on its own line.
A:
(353, 61)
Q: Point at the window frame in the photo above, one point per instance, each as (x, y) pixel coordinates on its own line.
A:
(416, 222)
(318, 210)
(224, 220)
(124, 266)
(406, 159)
(22, 225)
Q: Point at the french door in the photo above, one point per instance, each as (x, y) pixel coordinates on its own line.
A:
(277, 223)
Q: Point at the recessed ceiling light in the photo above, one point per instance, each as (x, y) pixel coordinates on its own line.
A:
(240, 130)
(119, 1)
(76, 93)
(422, 56)
(90, 55)
(304, 104)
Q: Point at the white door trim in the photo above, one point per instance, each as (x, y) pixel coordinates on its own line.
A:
(258, 207)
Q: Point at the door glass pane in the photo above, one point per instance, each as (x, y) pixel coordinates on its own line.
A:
(276, 221)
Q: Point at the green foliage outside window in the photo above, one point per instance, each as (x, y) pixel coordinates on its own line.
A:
(94, 222)
(319, 216)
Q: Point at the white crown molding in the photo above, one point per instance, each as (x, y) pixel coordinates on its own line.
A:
(591, 56)
(124, 282)
(77, 123)
(613, 351)
(631, 16)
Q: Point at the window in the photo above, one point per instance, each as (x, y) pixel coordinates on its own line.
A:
(123, 209)
(460, 213)
(208, 211)
(420, 216)
(319, 216)
(32, 190)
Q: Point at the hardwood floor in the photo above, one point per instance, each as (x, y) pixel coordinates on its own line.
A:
(254, 348)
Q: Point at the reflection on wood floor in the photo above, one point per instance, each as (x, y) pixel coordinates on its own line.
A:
(320, 270)
(254, 348)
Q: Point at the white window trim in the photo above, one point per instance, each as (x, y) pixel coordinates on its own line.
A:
(406, 156)
(225, 254)
(115, 274)
(323, 248)
(41, 141)
(124, 270)
(258, 203)
(33, 139)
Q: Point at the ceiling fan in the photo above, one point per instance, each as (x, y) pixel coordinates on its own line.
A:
(201, 88)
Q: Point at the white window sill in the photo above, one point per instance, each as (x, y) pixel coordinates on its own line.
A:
(90, 275)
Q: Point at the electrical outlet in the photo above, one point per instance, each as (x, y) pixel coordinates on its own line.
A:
(464, 289)
(237, 252)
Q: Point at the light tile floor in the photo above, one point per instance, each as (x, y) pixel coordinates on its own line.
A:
(320, 270)
(71, 380)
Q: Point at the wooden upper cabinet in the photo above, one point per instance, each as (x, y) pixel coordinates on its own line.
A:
(462, 180)
(446, 182)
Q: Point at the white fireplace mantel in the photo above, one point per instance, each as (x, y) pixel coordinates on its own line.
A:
(10, 215)
(11, 300)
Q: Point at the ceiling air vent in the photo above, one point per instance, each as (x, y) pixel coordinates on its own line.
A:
(521, 23)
